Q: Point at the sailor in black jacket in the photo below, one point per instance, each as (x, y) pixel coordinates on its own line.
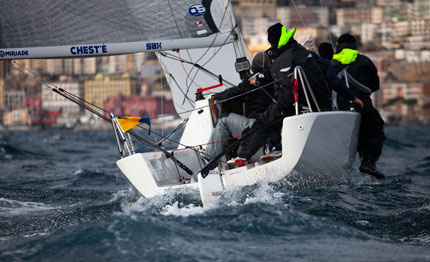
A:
(363, 79)
(286, 54)
(256, 102)
(330, 75)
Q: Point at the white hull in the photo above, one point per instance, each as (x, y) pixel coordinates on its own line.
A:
(316, 147)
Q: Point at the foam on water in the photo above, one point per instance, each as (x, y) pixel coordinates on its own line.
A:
(14, 207)
(184, 210)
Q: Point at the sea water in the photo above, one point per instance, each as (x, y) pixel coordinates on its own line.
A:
(63, 199)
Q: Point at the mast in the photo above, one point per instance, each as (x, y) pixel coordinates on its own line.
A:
(242, 57)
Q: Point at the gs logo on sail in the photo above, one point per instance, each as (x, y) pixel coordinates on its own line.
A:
(197, 10)
(88, 49)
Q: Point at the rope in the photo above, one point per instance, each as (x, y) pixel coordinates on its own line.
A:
(218, 141)
(328, 27)
(297, 10)
(185, 70)
(231, 98)
(182, 91)
(208, 72)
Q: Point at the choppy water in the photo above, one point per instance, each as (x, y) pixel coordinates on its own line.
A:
(63, 199)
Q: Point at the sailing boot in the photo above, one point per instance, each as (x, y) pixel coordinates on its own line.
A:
(369, 167)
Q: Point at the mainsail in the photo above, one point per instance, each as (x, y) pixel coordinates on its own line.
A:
(73, 28)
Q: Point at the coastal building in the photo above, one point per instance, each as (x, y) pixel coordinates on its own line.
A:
(303, 16)
(52, 102)
(84, 66)
(55, 67)
(5, 69)
(16, 117)
(130, 63)
(254, 8)
(14, 99)
(35, 109)
(352, 19)
(406, 100)
(98, 90)
(256, 26)
(140, 106)
(2, 84)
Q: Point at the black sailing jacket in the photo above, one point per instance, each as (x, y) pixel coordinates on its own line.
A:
(285, 60)
(362, 69)
(255, 102)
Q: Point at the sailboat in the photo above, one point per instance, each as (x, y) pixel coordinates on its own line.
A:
(201, 50)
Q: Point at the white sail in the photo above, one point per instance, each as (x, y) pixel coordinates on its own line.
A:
(189, 70)
(184, 79)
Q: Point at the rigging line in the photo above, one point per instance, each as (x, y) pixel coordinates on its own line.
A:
(177, 26)
(209, 143)
(209, 73)
(182, 91)
(328, 25)
(216, 35)
(174, 19)
(215, 53)
(214, 39)
(188, 75)
(141, 85)
(167, 138)
(172, 132)
(208, 60)
(162, 103)
(297, 10)
(218, 102)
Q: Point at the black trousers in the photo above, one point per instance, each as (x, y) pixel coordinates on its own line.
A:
(371, 138)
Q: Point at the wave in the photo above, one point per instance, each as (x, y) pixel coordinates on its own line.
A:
(10, 151)
(14, 207)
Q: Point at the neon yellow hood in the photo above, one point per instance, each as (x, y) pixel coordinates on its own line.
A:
(346, 56)
(285, 36)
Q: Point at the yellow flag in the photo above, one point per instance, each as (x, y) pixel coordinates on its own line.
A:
(128, 122)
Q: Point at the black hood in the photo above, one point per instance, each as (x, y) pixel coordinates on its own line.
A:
(341, 46)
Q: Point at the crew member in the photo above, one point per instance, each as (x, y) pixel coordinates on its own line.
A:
(256, 102)
(330, 75)
(363, 79)
(286, 54)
